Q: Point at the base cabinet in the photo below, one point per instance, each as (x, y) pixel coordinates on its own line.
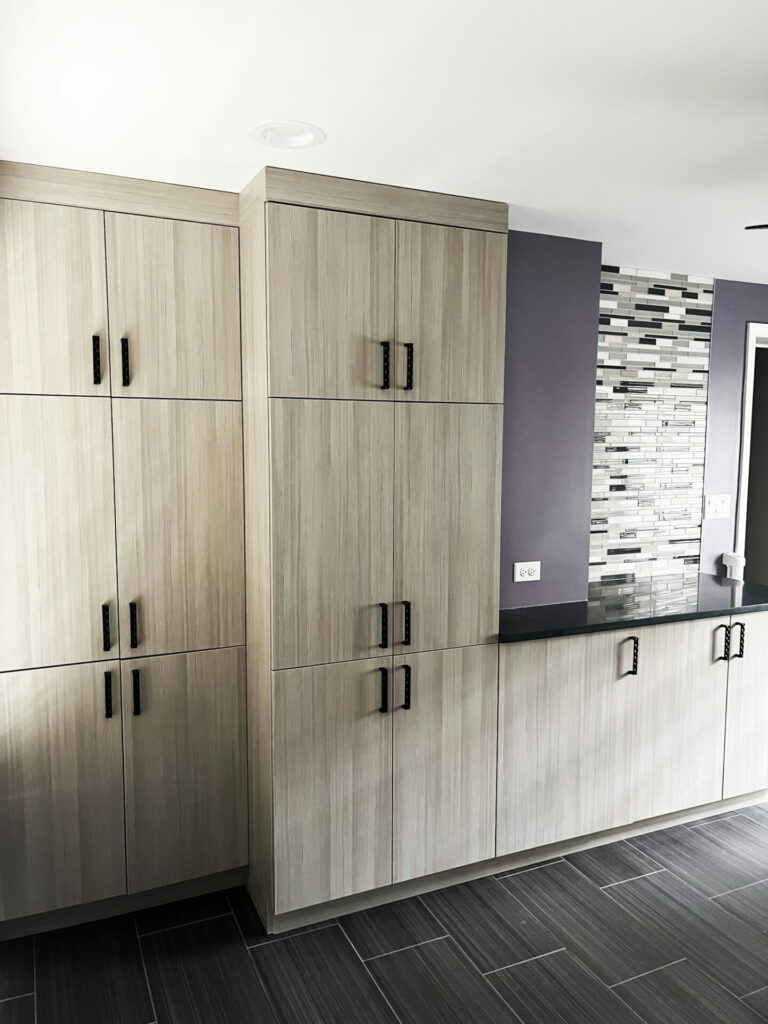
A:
(746, 732)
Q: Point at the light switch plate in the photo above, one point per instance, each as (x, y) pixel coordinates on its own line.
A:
(526, 572)
(717, 506)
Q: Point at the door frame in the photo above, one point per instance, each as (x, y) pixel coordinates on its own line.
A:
(757, 337)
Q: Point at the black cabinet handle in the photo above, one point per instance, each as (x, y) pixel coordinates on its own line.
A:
(126, 362)
(133, 613)
(107, 642)
(726, 655)
(96, 359)
(406, 624)
(385, 365)
(107, 694)
(384, 609)
(408, 366)
(384, 708)
(406, 705)
(635, 654)
(136, 691)
(742, 634)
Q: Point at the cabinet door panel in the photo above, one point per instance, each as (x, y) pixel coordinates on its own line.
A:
(53, 299)
(444, 761)
(746, 734)
(179, 494)
(451, 306)
(331, 529)
(447, 519)
(61, 789)
(331, 302)
(567, 722)
(174, 294)
(681, 717)
(332, 783)
(185, 779)
(57, 543)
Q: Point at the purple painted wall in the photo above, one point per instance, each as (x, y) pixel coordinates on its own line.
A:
(553, 294)
(736, 304)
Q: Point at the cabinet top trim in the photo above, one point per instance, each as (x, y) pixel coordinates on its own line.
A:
(280, 185)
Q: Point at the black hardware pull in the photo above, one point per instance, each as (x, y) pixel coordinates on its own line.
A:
(384, 625)
(107, 694)
(136, 691)
(742, 634)
(406, 705)
(133, 612)
(384, 708)
(96, 359)
(407, 624)
(126, 362)
(107, 642)
(385, 365)
(408, 366)
(726, 655)
(635, 654)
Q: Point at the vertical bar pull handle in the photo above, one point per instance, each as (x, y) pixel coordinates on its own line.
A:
(384, 706)
(133, 613)
(126, 362)
(135, 675)
(106, 639)
(742, 635)
(726, 655)
(635, 654)
(408, 366)
(406, 705)
(385, 365)
(406, 623)
(384, 609)
(96, 340)
(107, 694)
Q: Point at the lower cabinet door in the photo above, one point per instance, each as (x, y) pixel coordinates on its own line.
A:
(61, 788)
(332, 766)
(444, 767)
(567, 717)
(682, 686)
(185, 765)
(746, 731)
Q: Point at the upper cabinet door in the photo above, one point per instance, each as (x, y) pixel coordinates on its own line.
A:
(746, 732)
(447, 515)
(53, 300)
(179, 497)
(331, 530)
(451, 308)
(58, 586)
(331, 303)
(174, 308)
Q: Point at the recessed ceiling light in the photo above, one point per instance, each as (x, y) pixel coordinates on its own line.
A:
(287, 134)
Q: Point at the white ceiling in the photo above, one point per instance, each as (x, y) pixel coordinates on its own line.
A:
(642, 124)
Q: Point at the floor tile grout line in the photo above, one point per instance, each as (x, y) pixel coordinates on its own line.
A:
(483, 978)
(529, 867)
(144, 966)
(269, 939)
(183, 924)
(748, 994)
(528, 960)
(726, 817)
(369, 972)
(23, 995)
(645, 974)
(634, 878)
(254, 968)
(738, 888)
(400, 949)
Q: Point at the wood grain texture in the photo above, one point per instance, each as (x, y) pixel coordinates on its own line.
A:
(451, 305)
(332, 783)
(173, 293)
(331, 529)
(746, 730)
(681, 717)
(282, 185)
(567, 722)
(447, 523)
(53, 299)
(43, 184)
(61, 789)
(179, 496)
(331, 303)
(185, 767)
(57, 544)
(445, 761)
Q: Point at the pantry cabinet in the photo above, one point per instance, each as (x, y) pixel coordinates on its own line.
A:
(746, 735)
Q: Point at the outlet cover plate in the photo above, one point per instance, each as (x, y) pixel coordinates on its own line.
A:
(526, 572)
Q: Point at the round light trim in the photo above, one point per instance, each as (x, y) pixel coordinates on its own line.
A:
(287, 134)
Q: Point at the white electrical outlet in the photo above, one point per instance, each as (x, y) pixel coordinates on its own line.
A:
(525, 572)
(717, 506)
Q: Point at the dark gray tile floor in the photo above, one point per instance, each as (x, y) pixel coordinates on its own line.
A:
(667, 928)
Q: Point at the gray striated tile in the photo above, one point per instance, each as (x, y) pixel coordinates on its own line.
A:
(250, 924)
(18, 1011)
(17, 971)
(528, 867)
(615, 862)
(749, 904)
(170, 915)
(758, 1001)
(390, 927)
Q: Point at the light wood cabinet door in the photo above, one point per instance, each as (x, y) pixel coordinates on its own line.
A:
(185, 766)
(331, 492)
(447, 522)
(62, 835)
(451, 307)
(331, 303)
(567, 725)
(53, 300)
(444, 761)
(682, 688)
(174, 297)
(57, 542)
(179, 498)
(746, 731)
(332, 784)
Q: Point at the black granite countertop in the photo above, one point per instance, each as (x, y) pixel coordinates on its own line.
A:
(645, 603)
